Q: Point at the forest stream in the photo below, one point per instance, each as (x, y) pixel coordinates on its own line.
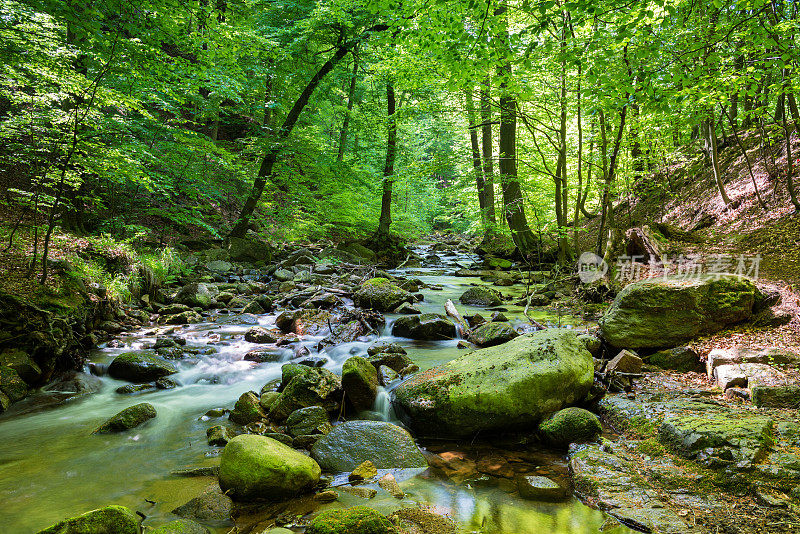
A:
(43, 479)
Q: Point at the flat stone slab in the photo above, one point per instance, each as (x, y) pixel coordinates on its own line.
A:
(748, 375)
(612, 484)
(736, 355)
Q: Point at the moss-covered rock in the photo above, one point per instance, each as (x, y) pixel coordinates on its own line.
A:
(360, 382)
(511, 386)
(303, 322)
(128, 418)
(195, 295)
(570, 425)
(381, 294)
(352, 443)
(427, 326)
(480, 296)
(682, 359)
(11, 384)
(108, 520)
(256, 467)
(491, 334)
(307, 421)
(259, 334)
(140, 367)
(22, 363)
(666, 311)
(247, 409)
(356, 520)
(315, 387)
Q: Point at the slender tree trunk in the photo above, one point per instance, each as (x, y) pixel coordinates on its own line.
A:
(710, 136)
(388, 170)
(790, 100)
(350, 101)
(476, 156)
(789, 167)
(562, 206)
(486, 142)
(604, 200)
(267, 164)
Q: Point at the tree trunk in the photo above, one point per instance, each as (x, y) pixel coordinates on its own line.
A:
(267, 164)
(710, 136)
(476, 156)
(486, 142)
(388, 170)
(789, 167)
(350, 101)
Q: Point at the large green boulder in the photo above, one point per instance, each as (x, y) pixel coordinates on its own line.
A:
(139, 367)
(480, 296)
(316, 387)
(352, 443)
(108, 520)
(570, 425)
(360, 382)
(427, 326)
(355, 520)
(257, 467)
(670, 310)
(496, 389)
(247, 409)
(381, 294)
(130, 417)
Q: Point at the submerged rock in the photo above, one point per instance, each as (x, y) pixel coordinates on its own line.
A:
(257, 467)
(352, 443)
(356, 520)
(180, 526)
(211, 507)
(427, 326)
(128, 418)
(666, 311)
(381, 294)
(511, 386)
(540, 489)
(140, 367)
(570, 425)
(108, 520)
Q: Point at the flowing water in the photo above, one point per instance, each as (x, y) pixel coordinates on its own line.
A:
(52, 466)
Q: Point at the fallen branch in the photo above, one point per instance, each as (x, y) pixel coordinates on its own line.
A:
(463, 327)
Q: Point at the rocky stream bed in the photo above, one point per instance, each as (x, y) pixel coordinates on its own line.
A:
(321, 395)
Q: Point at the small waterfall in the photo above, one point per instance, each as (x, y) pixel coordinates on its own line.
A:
(383, 405)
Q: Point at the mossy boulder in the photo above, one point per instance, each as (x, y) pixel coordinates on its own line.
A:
(352, 443)
(247, 409)
(507, 387)
(682, 359)
(108, 520)
(249, 250)
(491, 334)
(355, 520)
(257, 467)
(427, 326)
(259, 334)
(11, 384)
(187, 317)
(140, 367)
(316, 387)
(22, 363)
(570, 425)
(670, 310)
(195, 295)
(381, 294)
(360, 382)
(480, 296)
(303, 322)
(130, 417)
(308, 421)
